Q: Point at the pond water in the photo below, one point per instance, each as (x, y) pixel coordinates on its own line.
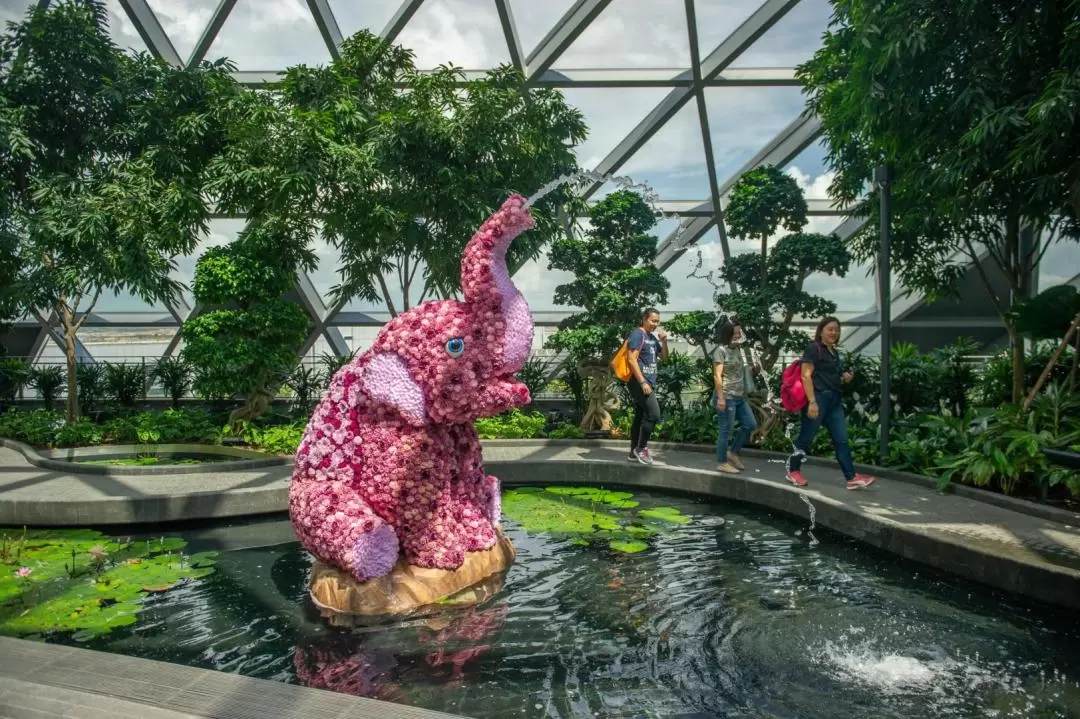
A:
(735, 614)
(153, 460)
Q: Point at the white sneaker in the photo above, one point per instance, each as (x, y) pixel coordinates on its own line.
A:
(643, 456)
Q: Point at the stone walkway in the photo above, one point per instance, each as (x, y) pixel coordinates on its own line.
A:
(989, 525)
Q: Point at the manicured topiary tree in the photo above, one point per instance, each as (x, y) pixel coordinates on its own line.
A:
(249, 335)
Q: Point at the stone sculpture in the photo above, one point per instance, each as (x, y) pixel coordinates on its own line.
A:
(389, 490)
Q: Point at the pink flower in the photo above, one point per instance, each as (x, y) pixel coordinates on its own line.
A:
(23, 572)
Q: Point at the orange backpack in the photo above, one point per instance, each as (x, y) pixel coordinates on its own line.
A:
(620, 363)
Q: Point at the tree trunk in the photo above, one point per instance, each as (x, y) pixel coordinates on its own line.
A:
(68, 322)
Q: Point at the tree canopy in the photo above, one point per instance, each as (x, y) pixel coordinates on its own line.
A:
(974, 105)
(405, 177)
(614, 276)
(103, 160)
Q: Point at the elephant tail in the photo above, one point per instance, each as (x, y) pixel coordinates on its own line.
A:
(338, 526)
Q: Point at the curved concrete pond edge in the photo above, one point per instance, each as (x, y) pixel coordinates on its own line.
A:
(1012, 572)
(62, 460)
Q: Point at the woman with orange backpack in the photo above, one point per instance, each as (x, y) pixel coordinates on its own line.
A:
(821, 371)
(636, 364)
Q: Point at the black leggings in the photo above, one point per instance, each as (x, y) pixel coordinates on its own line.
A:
(646, 415)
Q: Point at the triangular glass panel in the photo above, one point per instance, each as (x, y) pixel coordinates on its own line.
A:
(610, 114)
(855, 292)
(1060, 264)
(717, 19)
(184, 21)
(14, 11)
(535, 19)
(255, 39)
(691, 284)
(809, 169)
(672, 162)
(537, 284)
(370, 15)
(465, 33)
(122, 29)
(630, 34)
(743, 120)
(792, 40)
(125, 345)
(126, 302)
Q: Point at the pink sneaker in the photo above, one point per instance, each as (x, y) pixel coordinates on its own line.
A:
(643, 456)
(796, 478)
(861, 481)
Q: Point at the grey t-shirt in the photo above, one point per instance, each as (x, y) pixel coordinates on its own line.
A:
(734, 370)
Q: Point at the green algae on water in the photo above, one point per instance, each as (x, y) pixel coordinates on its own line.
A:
(589, 515)
(81, 581)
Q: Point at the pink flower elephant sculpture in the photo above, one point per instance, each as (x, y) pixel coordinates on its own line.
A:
(390, 463)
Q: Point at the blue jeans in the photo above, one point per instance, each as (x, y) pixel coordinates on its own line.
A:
(830, 414)
(735, 408)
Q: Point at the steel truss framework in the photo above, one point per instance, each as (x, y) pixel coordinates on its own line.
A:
(709, 67)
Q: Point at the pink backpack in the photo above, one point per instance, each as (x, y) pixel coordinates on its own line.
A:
(792, 392)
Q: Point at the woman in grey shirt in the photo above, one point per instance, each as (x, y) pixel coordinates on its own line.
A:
(731, 379)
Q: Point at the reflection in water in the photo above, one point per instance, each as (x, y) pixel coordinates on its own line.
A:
(732, 615)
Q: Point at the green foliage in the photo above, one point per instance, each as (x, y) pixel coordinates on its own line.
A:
(41, 428)
(84, 582)
(332, 363)
(1049, 314)
(514, 424)
(699, 328)
(405, 176)
(90, 380)
(306, 383)
(125, 383)
(104, 177)
(589, 515)
(763, 200)
(969, 157)
(769, 284)
(614, 277)
(534, 375)
(566, 431)
(47, 381)
(14, 374)
(251, 337)
(276, 439)
(174, 374)
(678, 374)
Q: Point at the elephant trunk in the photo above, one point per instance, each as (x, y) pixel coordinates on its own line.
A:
(486, 283)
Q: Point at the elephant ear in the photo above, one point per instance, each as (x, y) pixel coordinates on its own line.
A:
(386, 379)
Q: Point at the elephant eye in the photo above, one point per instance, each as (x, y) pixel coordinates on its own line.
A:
(455, 347)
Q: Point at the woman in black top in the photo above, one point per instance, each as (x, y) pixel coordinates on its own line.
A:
(823, 376)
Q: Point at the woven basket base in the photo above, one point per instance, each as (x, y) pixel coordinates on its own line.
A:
(408, 589)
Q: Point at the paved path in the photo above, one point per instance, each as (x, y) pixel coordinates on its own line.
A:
(1034, 536)
(42, 681)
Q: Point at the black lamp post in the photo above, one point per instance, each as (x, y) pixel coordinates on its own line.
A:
(883, 177)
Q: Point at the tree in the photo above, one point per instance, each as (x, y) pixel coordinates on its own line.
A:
(104, 158)
(408, 174)
(966, 102)
(765, 290)
(249, 339)
(614, 280)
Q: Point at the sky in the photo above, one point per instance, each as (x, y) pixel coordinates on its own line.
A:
(627, 34)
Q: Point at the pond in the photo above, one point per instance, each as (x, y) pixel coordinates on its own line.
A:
(153, 460)
(737, 613)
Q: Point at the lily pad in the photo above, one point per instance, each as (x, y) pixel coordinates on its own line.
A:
(84, 582)
(587, 515)
(632, 546)
(665, 514)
